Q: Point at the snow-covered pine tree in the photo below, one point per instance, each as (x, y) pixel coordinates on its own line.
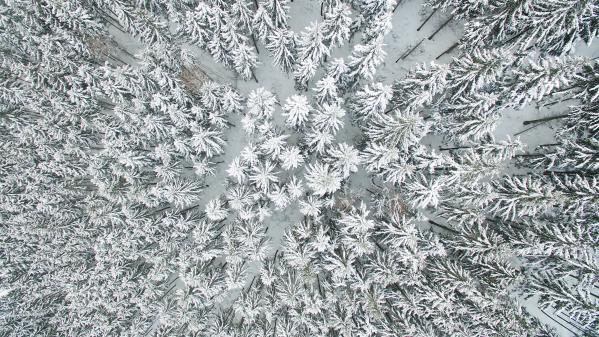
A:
(402, 130)
(196, 25)
(296, 110)
(538, 78)
(371, 100)
(279, 10)
(262, 24)
(344, 158)
(322, 179)
(282, 46)
(326, 90)
(328, 117)
(242, 14)
(420, 87)
(364, 59)
(337, 21)
(551, 26)
(261, 103)
(311, 49)
(477, 70)
(244, 60)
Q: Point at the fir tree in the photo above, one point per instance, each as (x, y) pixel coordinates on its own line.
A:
(337, 22)
(322, 179)
(364, 60)
(282, 44)
(279, 10)
(296, 110)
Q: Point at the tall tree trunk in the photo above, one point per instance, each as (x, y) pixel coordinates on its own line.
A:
(439, 29)
(426, 20)
(398, 3)
(546, 119)
(255, 44)
(443, 227)
(406, 54)
(449, 50)
(454, 148)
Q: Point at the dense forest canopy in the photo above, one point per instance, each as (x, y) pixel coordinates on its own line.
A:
(143, 195)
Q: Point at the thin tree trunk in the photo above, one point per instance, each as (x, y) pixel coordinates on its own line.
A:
(114, 58)
(398, 3)
(167, 292)
(443, 227)
(551, 144)
(389, 110)
(528, 129)
(111, 20)
(576, 325)
(372, 181)
(117, 26)
(454, 148)
(254, 76)
(426, 20)
(126, 51)
(560, 101)
(531, 154)
(449, 50)
(251, 284)
(183, 211)
(161, 209)
(406, 54)
(322, 8)
(546, 119)
(580, 173)
(558, 323)
(319, 287)
(369, 191)
(439, 29)
(255, 45)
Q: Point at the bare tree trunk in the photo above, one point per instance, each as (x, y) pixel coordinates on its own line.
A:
(449, 50)
(439, 29)
(398, 3)
(454, 148)
(558, 323)
(426, 20)
(546, 119)
(406, 54)
(255, 45)
(443, 227)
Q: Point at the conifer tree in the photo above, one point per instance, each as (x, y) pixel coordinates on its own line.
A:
(311, 49)
(337, 21)
(282, 45)
(296, 109)
(364, 60)
(279, 9)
